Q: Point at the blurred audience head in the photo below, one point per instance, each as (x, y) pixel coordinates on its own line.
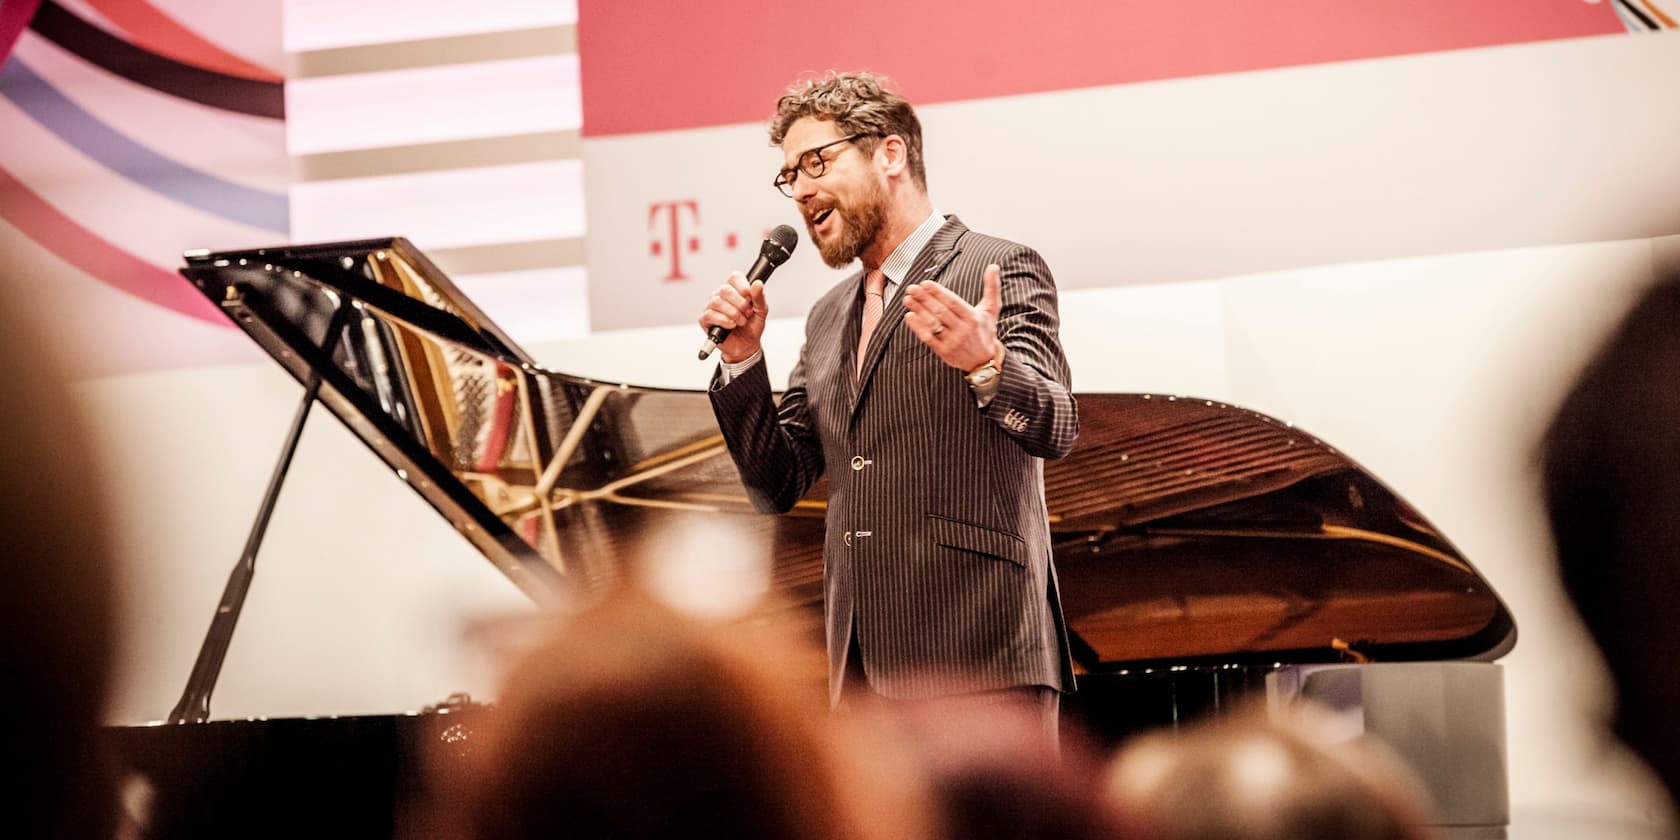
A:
(1611, 482)
(57, 595)
(990, 771)
(1257, 775)
(634, 720)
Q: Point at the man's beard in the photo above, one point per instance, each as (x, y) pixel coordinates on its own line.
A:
(860, 224)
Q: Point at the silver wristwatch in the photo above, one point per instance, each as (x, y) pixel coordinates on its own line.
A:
(984, 379)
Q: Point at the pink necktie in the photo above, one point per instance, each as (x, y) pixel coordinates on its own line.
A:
(872, 309)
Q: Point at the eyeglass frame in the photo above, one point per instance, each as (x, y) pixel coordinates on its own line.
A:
(784, 184)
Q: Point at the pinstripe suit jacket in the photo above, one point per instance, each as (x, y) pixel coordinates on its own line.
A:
(937, 551)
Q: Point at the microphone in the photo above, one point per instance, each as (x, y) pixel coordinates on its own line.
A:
(777, 247)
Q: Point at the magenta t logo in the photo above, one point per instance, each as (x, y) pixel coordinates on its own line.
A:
(679, 237)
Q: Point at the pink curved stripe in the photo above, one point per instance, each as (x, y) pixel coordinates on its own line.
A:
(162, 34)
(14, 18)
(107, 263)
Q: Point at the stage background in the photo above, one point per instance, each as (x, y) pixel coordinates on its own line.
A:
(1400, 226)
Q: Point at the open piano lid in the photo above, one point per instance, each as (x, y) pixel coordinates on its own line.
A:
(1188, 532)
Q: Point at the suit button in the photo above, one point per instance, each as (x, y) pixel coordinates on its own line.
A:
(848, 538)
(859, 463)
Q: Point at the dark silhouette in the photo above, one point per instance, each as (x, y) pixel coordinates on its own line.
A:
(1611, 479)
(58, 598)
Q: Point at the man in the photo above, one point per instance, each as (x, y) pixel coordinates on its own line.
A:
(931, 429)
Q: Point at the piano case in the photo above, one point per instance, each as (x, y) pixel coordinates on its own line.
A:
(1208, 555)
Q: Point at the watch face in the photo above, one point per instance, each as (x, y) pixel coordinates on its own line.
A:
(982, 376)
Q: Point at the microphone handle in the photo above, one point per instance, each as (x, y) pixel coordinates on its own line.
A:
(759, 273)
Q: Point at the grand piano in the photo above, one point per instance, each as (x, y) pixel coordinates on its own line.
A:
(1208, 554)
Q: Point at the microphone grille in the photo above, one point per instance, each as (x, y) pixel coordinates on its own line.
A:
(783, 238)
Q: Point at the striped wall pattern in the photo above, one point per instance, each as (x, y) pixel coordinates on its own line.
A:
(135, 130)
(456, 126)
(130, 138)
(1647, 15)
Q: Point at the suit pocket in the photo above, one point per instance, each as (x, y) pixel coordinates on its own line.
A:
(964, 536)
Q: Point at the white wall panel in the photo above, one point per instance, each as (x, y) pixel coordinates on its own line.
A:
(538, 305)
(325, 24)
(431, 104)
(362, 596)
(450, 209)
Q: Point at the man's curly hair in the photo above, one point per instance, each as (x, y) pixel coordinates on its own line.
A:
(858, 103)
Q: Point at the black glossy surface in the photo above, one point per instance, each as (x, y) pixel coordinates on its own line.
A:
(287, 777)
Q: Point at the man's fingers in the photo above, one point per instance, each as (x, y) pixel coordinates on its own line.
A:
(991, 300)
(736, 302)
(937, 294)
(723, 313)
(927, 302)
(733, 304)
(922, 325)
(731, 296)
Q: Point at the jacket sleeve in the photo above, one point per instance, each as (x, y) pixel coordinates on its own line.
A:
(775, 448)
(1034, 402)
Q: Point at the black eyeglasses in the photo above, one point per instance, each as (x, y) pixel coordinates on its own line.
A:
(812, 163)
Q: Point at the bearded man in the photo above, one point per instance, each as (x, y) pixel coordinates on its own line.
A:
(930, 388)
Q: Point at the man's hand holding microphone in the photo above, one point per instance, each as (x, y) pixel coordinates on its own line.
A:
(734, 316)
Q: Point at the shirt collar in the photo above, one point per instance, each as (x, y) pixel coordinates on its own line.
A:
(898, 263)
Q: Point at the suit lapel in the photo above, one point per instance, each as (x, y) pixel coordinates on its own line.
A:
(929, 264)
